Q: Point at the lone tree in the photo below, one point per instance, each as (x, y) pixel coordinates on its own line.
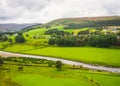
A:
(58, 65)
(19, 39)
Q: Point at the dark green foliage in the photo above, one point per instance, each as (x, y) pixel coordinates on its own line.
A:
(58, 64)
(20, 68)
(102, 40)
(51, 63)
(3, 38)
(51, 41)
(28, 61)
(19, 38)
(54, 31)
(118, 33)
(62, 41)
(68, 40)
(88, 39)
(27, 35)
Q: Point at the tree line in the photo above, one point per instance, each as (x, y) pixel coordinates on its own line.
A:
(91, 40)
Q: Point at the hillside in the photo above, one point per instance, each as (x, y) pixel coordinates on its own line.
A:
(35, 26)
(78, 23)
(86, 22)
(13, 27)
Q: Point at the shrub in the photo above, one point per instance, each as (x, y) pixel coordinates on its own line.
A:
(19, 39)
(58, 65)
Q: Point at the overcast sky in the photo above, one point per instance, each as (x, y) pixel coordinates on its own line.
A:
(42, 11)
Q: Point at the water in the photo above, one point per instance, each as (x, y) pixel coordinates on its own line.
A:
(110, 69)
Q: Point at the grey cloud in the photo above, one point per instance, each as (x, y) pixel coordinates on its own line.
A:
(20, 11)
(27, 4)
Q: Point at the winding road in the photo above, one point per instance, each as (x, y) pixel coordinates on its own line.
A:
(110, 69)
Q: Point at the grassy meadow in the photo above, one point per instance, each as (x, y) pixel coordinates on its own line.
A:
(50, 76)
(23, 71)
(39, 46)
(98, 56)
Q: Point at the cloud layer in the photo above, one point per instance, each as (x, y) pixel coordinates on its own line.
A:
(37, 11)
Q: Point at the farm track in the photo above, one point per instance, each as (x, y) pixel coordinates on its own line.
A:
(69, 62)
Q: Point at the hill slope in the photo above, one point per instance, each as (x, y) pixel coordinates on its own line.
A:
(13, 27)
(86, 22)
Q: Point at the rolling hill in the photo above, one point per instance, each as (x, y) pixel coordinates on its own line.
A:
(13, 27)
(78, 23)
(86, 22)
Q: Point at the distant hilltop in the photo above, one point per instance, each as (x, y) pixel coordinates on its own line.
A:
(9, 27)
(86, 22)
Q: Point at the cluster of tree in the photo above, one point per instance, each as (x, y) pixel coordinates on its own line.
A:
(93, 24)
(3, 38)
(8, 33)
(19, 38)
(68, 40)
(102, 41)
(76, 25)
(56, 32)
(91, 40)
(83, 32)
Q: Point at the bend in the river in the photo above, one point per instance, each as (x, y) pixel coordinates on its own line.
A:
(110, 69)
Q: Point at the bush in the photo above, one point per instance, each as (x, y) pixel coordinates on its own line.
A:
(20, 39)
(58, 64)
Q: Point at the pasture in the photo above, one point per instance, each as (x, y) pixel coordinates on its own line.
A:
(49, 76)
(91, 55)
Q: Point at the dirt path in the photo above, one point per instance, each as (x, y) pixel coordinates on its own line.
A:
(110, 69)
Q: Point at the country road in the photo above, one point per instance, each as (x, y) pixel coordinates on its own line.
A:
(110, 69)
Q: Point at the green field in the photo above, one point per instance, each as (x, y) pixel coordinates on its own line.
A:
(39, 46)
(101, 56)
(49, 76)
(34, 40)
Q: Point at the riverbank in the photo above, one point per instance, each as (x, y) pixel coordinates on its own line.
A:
(110, 69)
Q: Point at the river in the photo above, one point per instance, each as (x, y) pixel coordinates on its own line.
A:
(69, 62)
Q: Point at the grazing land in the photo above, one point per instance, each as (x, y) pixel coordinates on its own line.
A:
(39, 73)
(101, 56)
(91, 40)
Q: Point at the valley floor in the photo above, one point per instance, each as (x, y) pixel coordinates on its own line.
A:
(90, 55)
(49, 76)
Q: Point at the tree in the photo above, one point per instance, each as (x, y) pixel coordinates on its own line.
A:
(58, 65)
(4, 38)
(51, 41)
(19, 39)
(102, 40)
